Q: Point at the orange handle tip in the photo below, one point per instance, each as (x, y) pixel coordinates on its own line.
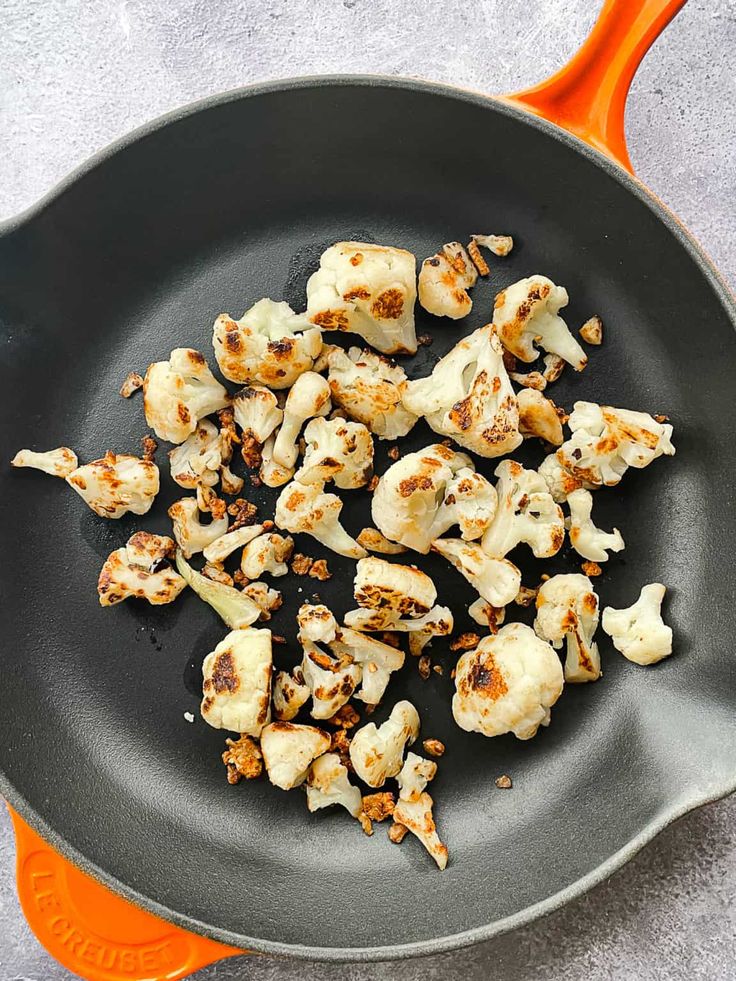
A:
(94, 933)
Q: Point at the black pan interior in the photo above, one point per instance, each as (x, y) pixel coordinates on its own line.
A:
(208, 214)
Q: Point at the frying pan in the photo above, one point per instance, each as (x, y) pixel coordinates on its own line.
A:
(233, 199)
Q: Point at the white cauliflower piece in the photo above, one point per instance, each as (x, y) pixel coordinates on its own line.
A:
(587, 540)
(444, 280)
(377, 753)
(417, 817)
(369, 387)
(257, 412)
(328, 784)
(307, 509)
(369, 290)
(270, 345)
(496, 580)
(470, 502)
(289, 694)
(237, 682)
(567, 609)
(486, 615)
(527, 313)
(316, 623)
(198, 459)
(288, 751)
(179, 392)
(267, 553)
(606, 441)
(526, 513)
(337, 450)
(309, 397)
(377, 660)
(469, 396)
(414, 776)
(639, 632)
(393, 589)
(331, 680)
(372, 540)
(116, 484)
(559, 482)
(507, 684)
(499, 245)
(56, 463)
(272, 473)
(236, 608)
(538, 417)
(218, 550)
(136, 570)
(265, 598)
(191, 535)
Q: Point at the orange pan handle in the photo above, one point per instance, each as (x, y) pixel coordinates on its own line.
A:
(588, 96)
(94, 933)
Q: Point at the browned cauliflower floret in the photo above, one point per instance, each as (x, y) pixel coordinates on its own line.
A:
(116, 484)
(136, 570)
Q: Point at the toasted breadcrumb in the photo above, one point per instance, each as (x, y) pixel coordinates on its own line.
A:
(245, 514)
(504, 782)
(340, 744)
(592, 331)
(465, 642)
(526, 595)
(425, 340)
(438, 669)
(251, 452)
(346, 717)
(433, 747)
(378, 807)
(255, 480)
(394, 453)
(301, 564)
(397, 833)
(133, 381)
(373, 482)
(660, 418)
(424, 666)
(278, 639)
(591, 569)
(320, 571)
(240, 578)
(243, 759)
(150, 446)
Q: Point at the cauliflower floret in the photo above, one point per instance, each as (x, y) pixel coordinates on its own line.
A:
(444, 280)
(198, 459)
(289, 694)
(486, 615)
(408, 496)
(526, 513)
(307, 509)
(266, 599)
(392, 589)
(469, 396)
(417, 817)
(190, 534)
(377, 753)
(372, 540)
(507, 684)
(257, 412)
(559, 482)
(331, 680)
(289, 749)
(135, 570)
(585, 538)
(316, 623)
(377, 660)
(499, 245)
(218, 550)
(369, 387)
(497, 580)
(328, 784)
(567, 609)
(57, 463)
(414, 776)
(267, 553)
(639, 632)
(309, 397)
(369, 290)
(470, 502)
(237, 682)
(337, 450)
(538, 417)
(527, 313)
(272, 473)
(270, 345)
(236, 608)
(605, 442)
(179, 392)
(116, 484)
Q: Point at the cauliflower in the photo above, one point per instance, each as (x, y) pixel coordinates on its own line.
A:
(267, 553)
(237, 682)
(257, 412)
(265, 598)
(116, 484)
(507, 684)
(499, 245)
(487, 615)
(417, 817)
(444, 280)
(538, 417)
(369, 290)
(438, 622)
(328, 783)
(135, 570)
(527, 313)
(198, 459)
(309, 397)
(497, 580)
(526, 513)
(57, 463)
(331, 680)
(469, 396)
(587, 540)
(190, 534)
(559, 482)
(337, 450)
(605, 442)
(414, 776)
(377, 660)
(179, 392)
(369, 388)
(394, 590)
(272, 473)
(289, 694)
(377, 753)
(289, 749)
(316, 623)
(270, 345)
(639, 632)
(470, 502)
(307, 509)
(236, 608)
(218, 550)
(567, 609)
(372, 540)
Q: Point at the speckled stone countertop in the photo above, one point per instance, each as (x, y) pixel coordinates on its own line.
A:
(75, 74)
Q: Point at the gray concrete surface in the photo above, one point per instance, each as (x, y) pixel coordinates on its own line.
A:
(75, 74)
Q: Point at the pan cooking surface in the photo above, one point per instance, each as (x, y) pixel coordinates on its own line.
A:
(209, 214)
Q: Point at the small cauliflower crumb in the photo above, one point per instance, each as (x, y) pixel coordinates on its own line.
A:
(592, 331)
(242, 758)
(504, 782)
(591, 568)
(133, 381)
(189, 716)
(553, 367)
(149, 446)
(465, 642)
(530, 379)
(397, 833)
(424, 666)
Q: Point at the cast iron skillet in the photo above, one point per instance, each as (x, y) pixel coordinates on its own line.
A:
(207, 211)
